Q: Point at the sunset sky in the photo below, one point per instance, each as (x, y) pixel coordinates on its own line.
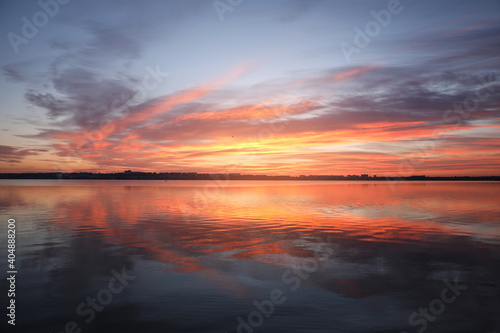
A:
(263, 87)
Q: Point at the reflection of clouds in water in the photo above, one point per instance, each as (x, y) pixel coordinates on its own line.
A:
(239, 244)
(408, 212)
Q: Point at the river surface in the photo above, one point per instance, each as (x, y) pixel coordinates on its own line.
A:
(253, 256)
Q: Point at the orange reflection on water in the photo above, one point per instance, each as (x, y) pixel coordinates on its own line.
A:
(192, 225)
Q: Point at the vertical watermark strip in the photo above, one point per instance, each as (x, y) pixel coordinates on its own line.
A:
(11, 271)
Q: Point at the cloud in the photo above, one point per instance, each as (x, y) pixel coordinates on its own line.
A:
(352, 72)
(83, 98)
(252, 112)
(334, 116)
(382, 119)
(13, 73)
(47, 101)
(464, 48)
(11, 154)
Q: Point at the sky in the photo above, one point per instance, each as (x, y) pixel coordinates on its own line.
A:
(285, 87)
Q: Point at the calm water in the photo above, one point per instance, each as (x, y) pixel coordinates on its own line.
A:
(254, 256)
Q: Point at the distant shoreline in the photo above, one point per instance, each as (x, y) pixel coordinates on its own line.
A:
(129, 175)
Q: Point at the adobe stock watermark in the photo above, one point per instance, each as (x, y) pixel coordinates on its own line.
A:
(372, 29)
(222, 6)
(437, 306)
(39, 19)
(103, 297)
(293, 278)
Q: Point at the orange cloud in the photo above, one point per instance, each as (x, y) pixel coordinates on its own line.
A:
(470, 27)
(352, 72)
(250, 112)
(338, 151)
(167, 103)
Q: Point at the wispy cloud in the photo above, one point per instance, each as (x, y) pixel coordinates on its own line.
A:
(351, 73)
(11, 154)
